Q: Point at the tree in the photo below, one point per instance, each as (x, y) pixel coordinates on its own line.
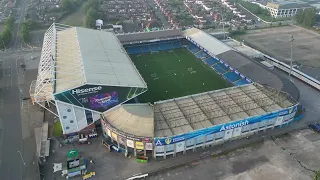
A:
(306, 17)
(280, 24)
(245, 27)
(230, 29)
(25, 32)
(66, 5)
(238, 28)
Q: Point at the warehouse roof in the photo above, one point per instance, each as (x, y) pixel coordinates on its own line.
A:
(182, 115)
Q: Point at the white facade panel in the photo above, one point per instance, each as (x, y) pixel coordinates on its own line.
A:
(237, 132)
(81, 118)
(67, 118)
(180, 146)
(228, 134)
(279, 121)
(159, 149)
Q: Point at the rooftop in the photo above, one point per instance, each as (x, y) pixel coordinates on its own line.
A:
(207, 41)
(288, 4)
(134, 119)
(189, 113)
(74, 56)
(182, 115)
(142, 36)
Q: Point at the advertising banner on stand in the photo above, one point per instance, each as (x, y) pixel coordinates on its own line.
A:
(139, 145)
(98, 98)
(130, 143)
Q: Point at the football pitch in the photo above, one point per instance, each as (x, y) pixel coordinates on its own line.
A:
(175, 73)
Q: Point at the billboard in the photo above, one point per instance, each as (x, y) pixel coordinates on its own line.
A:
(98, 98)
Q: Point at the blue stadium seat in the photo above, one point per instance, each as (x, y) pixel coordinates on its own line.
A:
(241, 82)
(231, 76)
(223, 67)
(145, 49)
(218, 69)
(165, 46)
(154, 47)
(176, 44)
(201, 55)
(134, 50)
(194, 49)
(210, 61)
(185, 43)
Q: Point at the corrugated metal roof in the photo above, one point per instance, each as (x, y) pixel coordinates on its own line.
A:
(208, 42)
(105, 61)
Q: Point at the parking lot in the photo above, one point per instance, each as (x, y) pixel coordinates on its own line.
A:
(276, 43)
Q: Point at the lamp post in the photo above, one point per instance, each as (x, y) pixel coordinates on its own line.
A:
(291, 44)
(24, 163)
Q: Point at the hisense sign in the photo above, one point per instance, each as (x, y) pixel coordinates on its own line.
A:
(86, 90)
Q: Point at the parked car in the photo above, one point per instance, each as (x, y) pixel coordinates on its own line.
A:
(315, 127)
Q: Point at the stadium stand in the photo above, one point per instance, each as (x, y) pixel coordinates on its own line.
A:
(240, 82)
(220, 68)
(201, 55)
(154, 47)
(176, 44)
(211, 61)
(134, 50)
(194, 49)
(145, 36)
(231, 76)
(165, 46)
(145, 49)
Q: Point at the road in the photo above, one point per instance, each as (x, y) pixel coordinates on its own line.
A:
(11, 136)
(16, 38)
(11, 142)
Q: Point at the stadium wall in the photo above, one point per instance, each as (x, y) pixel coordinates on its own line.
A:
(164, 146)
(124, 142)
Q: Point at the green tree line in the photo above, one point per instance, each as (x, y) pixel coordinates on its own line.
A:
(307, 17)
(92, 13)
(6, 35)
(26, 27)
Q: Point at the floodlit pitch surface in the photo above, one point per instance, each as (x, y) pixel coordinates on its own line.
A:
(276, 43)
(175, 73)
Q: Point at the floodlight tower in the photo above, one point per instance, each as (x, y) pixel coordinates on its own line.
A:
(291, 44)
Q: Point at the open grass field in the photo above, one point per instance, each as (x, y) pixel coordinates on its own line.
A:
(76, 18)
(175, 73)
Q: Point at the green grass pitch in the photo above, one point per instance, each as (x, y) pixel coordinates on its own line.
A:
(175, 73)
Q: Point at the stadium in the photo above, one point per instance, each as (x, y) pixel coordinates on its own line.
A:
(157, 93)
